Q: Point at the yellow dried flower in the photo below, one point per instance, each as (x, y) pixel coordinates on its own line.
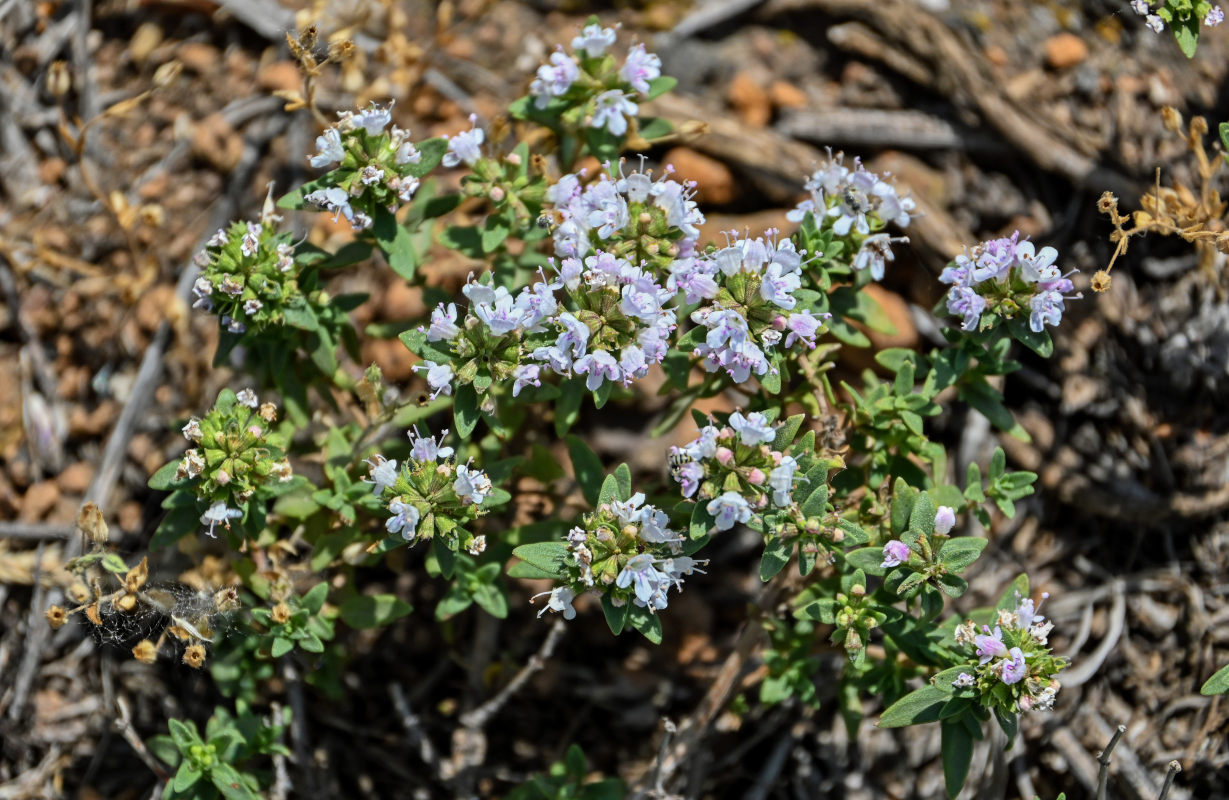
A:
(1100, 281)
(125, 602)
(91, 523)
(194, 656)
(56, 617)
(146, 652)
(91, 613)
(78, 592)
(281, 613)
(135, 580)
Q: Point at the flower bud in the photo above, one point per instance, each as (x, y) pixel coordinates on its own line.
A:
(725, 455)
(756, 476)
(497, 194)
(59, 80)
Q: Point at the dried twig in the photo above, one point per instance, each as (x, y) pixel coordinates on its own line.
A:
(414, 729)
(35, 530)
(123, 724)
(1170, 774)
(1087, 667)
(36, 637)
(480, 716)
(1103, 758)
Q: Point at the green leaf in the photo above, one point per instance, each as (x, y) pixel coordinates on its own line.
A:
(588, 469)
(701, 521)
(567, 407)
(347, 255)
(609, 492)
(373, 610)
(981, 396)
(649, 625)
(867, 559)
(164, 479)
(313, 601)
(183, 734)
(230, 783)
(493, 233)
(1186, 33)
(185, 777)
(623, 478)
(454, 601)
(616, 618)
(164, 748)
(1019, 586)
(548, 557)
(465, 410)
(114, 564)
(1217, 684)
(395, 242)
(431, 152)
(922, 517)
(956, 554)
(920, 705)
(655, 128)
(659, 86)
(281, 646)
(776, 556)
(788, 430)
(465, 239)
(491, 599)
(1039, 343)
(957, 750)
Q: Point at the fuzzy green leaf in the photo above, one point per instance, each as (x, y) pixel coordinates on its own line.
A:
(920, 705)
(374, 610)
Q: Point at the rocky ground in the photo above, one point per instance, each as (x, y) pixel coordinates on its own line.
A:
(996, 115)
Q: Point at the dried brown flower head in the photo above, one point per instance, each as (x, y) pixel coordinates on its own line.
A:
(135, 580)
(56, 617)
(146, 652)
(194, 655)
(91, 524)
(78, 592)
(1101, 281)
(92, 613)
(281, 613)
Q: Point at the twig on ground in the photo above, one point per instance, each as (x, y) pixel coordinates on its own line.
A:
(1103, 758)
(414, 729)
(480, 716)
(907, 129)
(771, 770)
(123, 724)
(1087, 667)
(36, 635)
(35, 530)
(708, 14)
(281, 776)
(299, 737)
(1170, 774)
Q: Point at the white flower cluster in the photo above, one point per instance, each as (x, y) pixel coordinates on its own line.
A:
(856, 201)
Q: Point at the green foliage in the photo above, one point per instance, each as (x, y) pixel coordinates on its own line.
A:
(568, 780)
(224, 761)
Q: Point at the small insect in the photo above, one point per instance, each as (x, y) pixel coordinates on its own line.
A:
(550, 219)
(856, 201)
(677, 459)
